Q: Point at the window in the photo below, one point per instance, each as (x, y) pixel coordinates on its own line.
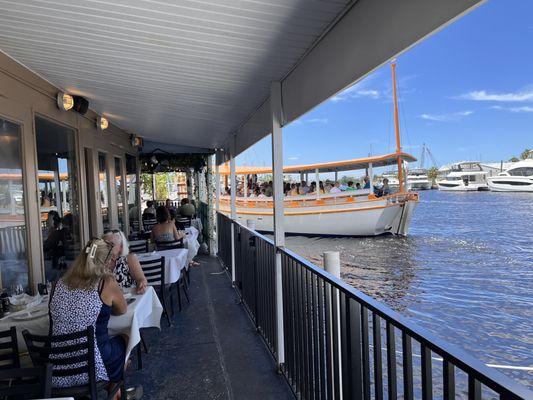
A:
(13, 255)
(58, 187)
(104, 190)
(119, 190)
(523, 171)
(131, 192)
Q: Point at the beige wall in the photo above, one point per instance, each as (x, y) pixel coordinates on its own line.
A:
(23, 94)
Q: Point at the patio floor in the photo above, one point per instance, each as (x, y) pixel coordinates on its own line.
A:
(211, 351)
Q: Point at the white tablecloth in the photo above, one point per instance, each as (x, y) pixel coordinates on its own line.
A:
(191, 243)
(197, 223)
(144, 312)
(175, 261)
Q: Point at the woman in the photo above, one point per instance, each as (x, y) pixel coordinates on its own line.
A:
(87, 295)
(125, 266)
(165, 230)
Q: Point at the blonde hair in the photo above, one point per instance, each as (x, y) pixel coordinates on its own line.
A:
(90, 266)
(125, 246)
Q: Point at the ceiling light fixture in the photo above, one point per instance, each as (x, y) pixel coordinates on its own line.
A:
(102, 123)
(65, 101)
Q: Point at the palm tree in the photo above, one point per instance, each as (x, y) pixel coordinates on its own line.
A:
(514, 159)
(525, 154)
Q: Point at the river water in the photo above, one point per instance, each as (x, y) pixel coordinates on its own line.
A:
(465, 272)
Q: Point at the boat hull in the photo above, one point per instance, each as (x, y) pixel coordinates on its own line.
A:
(378, 218)
(463, 188)
(511, 184)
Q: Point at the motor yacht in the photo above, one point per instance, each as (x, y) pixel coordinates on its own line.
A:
(517, 178)
(417, 179)
(465, 176)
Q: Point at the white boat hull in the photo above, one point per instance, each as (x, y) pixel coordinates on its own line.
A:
(420, 185)
(359, 219)
(461, 187)
(511, 184)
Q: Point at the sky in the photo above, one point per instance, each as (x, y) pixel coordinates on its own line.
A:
(466, 92)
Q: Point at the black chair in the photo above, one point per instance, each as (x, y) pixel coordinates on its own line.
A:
(169, 244)
(68, 360)
(154, 271)
(26, 383)
(9, 349)
(184, 221)
(148, 224)
(139, 247)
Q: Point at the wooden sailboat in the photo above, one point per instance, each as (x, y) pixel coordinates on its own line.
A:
(349, 213)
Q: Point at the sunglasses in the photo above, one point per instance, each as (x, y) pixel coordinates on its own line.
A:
(111, 245)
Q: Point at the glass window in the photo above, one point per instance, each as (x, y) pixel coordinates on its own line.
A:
(131, 192)
(104, 190)
(119, 190)
(59, 194)
(13, 255)
(523, 171)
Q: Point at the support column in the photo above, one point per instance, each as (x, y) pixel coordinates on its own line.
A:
(371, 177)
(212, 229)
(279, 231)
(317, 187)
(153, 188)
(217, 187)
(233, 207)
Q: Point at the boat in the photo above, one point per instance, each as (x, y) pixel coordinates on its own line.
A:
(417, 179)
(517, 178)
(355, 212)
(465, 176)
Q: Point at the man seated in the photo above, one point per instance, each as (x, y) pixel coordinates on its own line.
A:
(186, 209)
(350, 186)
(366, 182)
(335, 188)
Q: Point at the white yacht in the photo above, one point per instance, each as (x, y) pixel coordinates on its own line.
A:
(417, 179)
(517, 178)
(464, 176)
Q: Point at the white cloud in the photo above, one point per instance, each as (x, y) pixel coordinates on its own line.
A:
(523, 109)
(293, 158)
(317, 120)
(361, 89)
(482, 95)
(450, 117)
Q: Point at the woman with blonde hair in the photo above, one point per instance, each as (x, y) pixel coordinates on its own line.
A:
(87, 295)
(125, 266)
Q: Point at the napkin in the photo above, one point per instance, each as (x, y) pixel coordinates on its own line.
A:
(25, 300)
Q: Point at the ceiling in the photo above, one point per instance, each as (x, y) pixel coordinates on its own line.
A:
(186, 72)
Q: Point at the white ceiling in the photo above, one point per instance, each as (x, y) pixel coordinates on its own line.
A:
(186, 72)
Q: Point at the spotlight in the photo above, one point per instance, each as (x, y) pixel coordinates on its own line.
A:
(65, 101)
(102, 123)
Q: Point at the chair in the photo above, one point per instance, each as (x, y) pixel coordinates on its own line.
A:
(185, 221)
(169, 244)
(73, 360)
(148, 224)
(154, 271)
(26, 383)
(9, 349)
(139, 246)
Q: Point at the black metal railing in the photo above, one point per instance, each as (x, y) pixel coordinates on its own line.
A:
(340, 342)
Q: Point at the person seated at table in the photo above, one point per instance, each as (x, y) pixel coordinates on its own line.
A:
(165, 230)
(88, 295)
(149, 211)
(125, 266)
(186, 209)
(173, 214)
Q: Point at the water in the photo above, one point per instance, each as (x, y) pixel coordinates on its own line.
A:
(465, 272)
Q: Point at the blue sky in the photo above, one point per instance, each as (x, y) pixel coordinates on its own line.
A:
(466, 91)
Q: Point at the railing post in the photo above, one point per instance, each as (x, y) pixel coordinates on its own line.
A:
(279, 232)
(332, 264)
(233, 208)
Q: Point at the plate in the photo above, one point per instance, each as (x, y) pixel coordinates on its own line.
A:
(33, 314)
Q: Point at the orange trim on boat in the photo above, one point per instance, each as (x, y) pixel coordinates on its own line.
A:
(342, 210)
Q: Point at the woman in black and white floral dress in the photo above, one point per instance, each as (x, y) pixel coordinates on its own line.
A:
(125, 265)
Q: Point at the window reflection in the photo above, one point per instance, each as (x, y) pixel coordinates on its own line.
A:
(13, 255)
(131, 192)
(119, 193)
(104, 191)
(58, 188)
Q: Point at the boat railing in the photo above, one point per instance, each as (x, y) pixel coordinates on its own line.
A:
(341, 343)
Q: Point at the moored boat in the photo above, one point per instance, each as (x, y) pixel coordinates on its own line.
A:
(465, 176)
(517, 178)
(417, 179)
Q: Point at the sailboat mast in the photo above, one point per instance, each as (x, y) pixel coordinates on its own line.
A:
(397, 127)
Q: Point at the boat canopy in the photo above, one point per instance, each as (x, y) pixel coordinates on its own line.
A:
(335, 166)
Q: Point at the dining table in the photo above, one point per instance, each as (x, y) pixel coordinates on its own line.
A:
(176, 260)
(144, 311)
(191, 243)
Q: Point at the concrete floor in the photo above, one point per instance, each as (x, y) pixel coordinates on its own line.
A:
(211, 351)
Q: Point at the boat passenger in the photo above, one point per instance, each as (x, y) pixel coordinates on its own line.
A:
(321, 187)
(262, 194)
(335, 188)
(385, 189)
(304, 189)
(350, 186)
(328, 186)
(366, 181)
(357, 186)
(294, 190)
(268, 189)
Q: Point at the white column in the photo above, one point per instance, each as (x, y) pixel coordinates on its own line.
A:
(317, 180)
(279, 231)
(371, 177)
(233, 214)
